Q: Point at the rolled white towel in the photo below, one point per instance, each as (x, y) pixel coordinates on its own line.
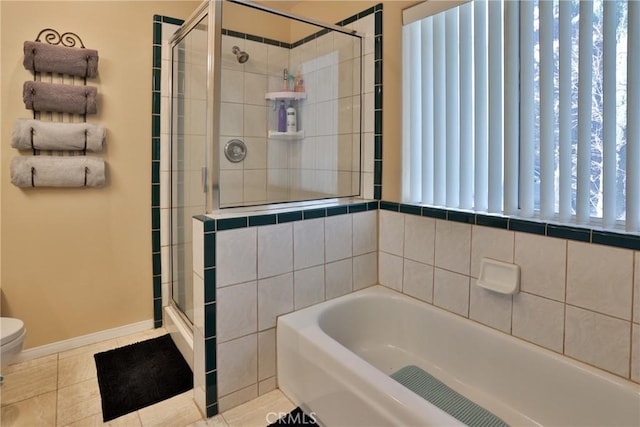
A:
(57, 136)
(50, 171)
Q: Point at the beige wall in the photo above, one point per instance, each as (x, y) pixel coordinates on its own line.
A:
(334, 11)
(78, 261)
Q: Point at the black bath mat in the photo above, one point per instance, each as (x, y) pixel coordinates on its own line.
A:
(140, 375)
(295, 418)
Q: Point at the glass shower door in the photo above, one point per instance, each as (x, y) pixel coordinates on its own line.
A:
(188, 156)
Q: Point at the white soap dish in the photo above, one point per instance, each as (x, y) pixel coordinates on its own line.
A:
(498, 276)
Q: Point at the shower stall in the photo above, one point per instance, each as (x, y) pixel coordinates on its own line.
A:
(265, 108)
(236, 68)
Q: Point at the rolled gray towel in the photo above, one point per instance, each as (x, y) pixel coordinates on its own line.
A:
(57, 136)
(50, 171)
(43, 57)
(39, 96)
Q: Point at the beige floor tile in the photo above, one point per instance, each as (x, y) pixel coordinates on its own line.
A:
(33, 412)
(180, 410)
(217, 421)
(25, 380)
(129, 420)
(76, 369)
(141, 336)
(91, 348)
(29, 364)
(78, 401)
(259, 412)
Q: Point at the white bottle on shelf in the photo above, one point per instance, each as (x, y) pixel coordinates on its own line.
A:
(292, 125)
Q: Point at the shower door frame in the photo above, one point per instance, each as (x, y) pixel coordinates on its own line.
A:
(211, 10)
(215, 72)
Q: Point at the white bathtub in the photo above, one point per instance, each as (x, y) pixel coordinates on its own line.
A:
(334, 360)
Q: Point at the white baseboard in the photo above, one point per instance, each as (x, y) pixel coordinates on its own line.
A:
(70, 344)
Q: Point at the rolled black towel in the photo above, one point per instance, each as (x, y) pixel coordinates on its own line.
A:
(39, 96)
(43, 57)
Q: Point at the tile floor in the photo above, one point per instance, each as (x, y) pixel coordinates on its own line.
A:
(62, 390)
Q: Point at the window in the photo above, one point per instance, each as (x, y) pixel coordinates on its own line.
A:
(525, 108)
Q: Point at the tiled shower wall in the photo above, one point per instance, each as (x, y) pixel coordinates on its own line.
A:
(327, 161)
(576, 298)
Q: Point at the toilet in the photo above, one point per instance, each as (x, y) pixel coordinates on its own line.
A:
(11, 339)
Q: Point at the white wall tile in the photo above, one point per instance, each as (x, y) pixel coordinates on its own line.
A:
(199, 377)
(365, 270)
(255, 185)
(237, 311)
(257, 62)
(275, 250)
(636, 292)
(237, 398)
(232, 86)
(453, 246)
(255, 121)
(255, 87)
(368, 74)
(308, 243)
(391, 232)
(542, 262)
(345, 116)
(266, 354)
(197, 229)
(308, 286)
(231, 186)
(451, 291)
(277, 61)
(599, 340)
(267, 385)
(232, 119)
(236, 256)
(418, 280)
(237, 363)
(600, 278)
(419, 238)
(538, 320)
(490, 308)
(338, 232)
(275, 297)
(491, 243)
(345, 79)
(635, 353)
(338, 278)
(390, 270)
(197, 293)
(365, 232)
(256, 153)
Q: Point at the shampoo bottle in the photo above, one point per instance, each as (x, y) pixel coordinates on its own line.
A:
(292, 125)
(282, 118)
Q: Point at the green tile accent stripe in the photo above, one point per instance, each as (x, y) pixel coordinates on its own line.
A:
(262, 220)
(289, 217)
(579, 234)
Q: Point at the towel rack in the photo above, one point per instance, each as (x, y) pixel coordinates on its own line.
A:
(66, 39)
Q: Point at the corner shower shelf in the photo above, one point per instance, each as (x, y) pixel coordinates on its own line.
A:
(286, 95)
(286, 136)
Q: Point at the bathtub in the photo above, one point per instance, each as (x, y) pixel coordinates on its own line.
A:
(334, 360)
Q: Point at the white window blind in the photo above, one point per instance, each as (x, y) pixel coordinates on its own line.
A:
(527, 109)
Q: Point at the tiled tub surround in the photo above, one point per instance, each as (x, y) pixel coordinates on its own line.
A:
(578, 299)
(257, 267)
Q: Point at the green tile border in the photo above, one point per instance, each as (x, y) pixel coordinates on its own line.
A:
(578, 234)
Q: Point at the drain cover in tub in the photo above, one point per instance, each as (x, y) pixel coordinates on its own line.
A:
(450, 401)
